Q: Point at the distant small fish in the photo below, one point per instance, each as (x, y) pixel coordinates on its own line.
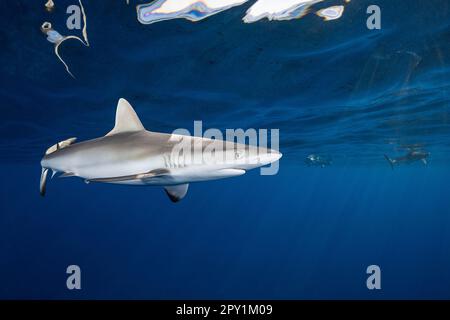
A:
(314, 160)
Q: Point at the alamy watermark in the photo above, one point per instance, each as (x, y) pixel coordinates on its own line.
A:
(374, 280)
(237, 149)
(74, 279)
(374, 20)
(74, 20)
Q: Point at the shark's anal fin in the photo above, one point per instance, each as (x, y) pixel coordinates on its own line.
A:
(177, 192)
(126, 119)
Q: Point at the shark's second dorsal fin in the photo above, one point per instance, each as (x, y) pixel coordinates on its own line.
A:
(126, 119)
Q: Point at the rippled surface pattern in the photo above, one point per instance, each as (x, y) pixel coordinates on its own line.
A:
(278, 10)
(194, 10)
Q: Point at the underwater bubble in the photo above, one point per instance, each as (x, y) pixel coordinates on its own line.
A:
(331, 13)
(278, 10)
(49, 5)
(193, 10)
(46, 26)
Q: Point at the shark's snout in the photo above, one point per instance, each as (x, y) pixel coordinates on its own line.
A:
(45, 163)
(50, 162)
(276, 155)
(269, 157)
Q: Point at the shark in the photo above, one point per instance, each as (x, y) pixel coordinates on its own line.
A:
(413, 155)
(131, 155)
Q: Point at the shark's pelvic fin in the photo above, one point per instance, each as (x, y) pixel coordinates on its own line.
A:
(126, 119)
(67, 174)
(177, 192)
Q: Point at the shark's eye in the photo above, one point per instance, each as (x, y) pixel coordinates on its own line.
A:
(238, 155)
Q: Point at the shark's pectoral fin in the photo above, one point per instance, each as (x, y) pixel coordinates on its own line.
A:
(177, 192)
(67, 174)
(424, 161)
(153, 173)
(43, 181)
(140, 176)
(113, 179)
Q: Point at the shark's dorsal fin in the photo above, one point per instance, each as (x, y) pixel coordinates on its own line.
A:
(126, 119)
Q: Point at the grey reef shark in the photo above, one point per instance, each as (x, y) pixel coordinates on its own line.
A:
(129, 154)
(414, 154)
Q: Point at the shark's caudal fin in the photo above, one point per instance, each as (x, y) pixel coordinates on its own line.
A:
(391, 162)
(53, 148)
(126, 119)
(43, 181)
(178, 192)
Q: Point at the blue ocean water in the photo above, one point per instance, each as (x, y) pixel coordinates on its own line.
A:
(334, 88)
